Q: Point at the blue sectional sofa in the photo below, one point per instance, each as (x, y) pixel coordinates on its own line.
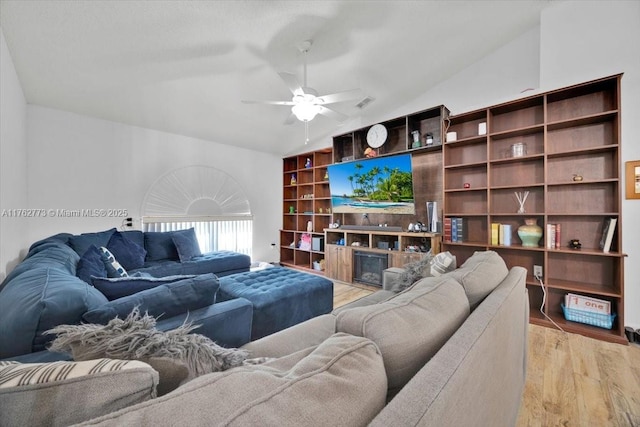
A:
(57, 283)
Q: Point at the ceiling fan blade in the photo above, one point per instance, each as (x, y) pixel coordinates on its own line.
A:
(290, 120)
(292, 83)
(269, 102)
(347, 95)
(333, 114)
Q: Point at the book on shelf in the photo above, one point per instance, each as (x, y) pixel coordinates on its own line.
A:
(550, 237)
(447, 229)
(457, 229)
(505, 234)
(608, 230)
(584, 303)
(500, 234)
(495, 233)
(553, 236)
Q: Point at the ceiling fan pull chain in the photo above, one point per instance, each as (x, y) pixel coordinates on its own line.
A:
(306, 132)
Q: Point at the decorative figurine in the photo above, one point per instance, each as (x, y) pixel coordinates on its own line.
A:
(326, 175)
(429, 139)
(294, 181)
(575, 244)
(416, 139)
(370, 152)
(308, 163)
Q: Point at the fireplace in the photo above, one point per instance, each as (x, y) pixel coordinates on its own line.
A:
(368, 267)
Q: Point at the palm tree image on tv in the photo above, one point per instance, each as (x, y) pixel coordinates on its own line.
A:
(379, 185)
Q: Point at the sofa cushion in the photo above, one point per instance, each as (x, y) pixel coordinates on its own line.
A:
(38, 300)
(186, 244)
(65, 393)
(222, 263)
(118, 287)
(114, 268)
(160, 246)
(128, 253)
(480, 274)
(340, 382)
(410, 327)
(165, 300)
(91, 264)
(82, 242)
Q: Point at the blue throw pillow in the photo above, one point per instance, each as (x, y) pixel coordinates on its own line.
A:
(118, 287)
(114, 269)
(91, 264)
(82, 242)
(166, 300)
(186, 244)
(129, 254)
(160, 246)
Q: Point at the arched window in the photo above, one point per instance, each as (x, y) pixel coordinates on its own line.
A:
(206, 199)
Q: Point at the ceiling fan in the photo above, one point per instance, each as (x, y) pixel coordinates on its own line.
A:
(306, 103)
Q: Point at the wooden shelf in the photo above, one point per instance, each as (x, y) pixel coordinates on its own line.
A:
(567, 132)
(310, 201)
(352, 145)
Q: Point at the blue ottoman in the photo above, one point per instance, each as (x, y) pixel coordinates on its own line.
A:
(281, 297)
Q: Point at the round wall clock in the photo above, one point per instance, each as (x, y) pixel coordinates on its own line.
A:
(377, 135)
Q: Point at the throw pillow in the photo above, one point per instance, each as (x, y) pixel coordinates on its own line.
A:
(186, 244)
(135, 337)
(443, 263)
(82, 242)
(68, 393)
(118, 287)
(129, 254)
(114, 269)
(167, 300)
(160, 246)
(91, 264)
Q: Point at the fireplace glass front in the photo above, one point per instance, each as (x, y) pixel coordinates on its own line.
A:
(368, 267)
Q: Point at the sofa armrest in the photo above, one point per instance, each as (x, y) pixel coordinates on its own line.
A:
(227, 323)
(390, 276)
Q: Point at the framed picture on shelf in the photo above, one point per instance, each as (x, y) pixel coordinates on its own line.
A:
(633, 179)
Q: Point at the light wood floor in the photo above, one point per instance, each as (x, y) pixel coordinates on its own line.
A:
(571, 380)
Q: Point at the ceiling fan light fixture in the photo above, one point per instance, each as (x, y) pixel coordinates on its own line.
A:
(305, 111)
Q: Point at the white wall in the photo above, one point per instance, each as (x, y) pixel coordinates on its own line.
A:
(582, 41)
(13, 163)
(78, 162)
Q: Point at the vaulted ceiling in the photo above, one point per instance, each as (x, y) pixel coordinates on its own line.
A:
(185, 66)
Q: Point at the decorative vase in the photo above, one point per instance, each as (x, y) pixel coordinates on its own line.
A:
(530, 233)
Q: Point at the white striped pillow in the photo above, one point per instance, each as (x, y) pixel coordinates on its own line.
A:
(13, 374)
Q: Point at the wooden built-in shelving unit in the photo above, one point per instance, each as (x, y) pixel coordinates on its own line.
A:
(567, 132)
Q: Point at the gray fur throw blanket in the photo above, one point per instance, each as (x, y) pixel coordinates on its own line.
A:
(136, 338)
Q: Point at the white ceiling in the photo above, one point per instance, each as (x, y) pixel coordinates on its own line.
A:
(184, 66)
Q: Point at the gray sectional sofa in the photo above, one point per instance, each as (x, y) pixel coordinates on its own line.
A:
(426, 356)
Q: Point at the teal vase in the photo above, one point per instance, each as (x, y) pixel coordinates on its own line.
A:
(530, 233)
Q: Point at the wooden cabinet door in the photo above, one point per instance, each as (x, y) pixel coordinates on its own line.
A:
(338, 263)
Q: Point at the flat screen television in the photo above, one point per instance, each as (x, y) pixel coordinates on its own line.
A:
(374, 185)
